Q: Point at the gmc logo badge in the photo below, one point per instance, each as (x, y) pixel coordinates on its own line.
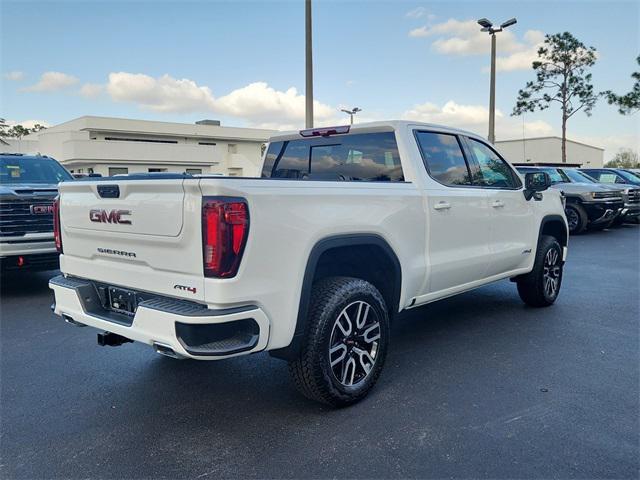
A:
(41, 209)
(113, 216)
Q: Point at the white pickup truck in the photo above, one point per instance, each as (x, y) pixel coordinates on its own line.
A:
(347, 227)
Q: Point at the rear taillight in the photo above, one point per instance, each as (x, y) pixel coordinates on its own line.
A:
(57, 234)
(225, 226)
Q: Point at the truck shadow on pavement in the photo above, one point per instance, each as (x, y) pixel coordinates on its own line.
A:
(14, 284)
(419, 338)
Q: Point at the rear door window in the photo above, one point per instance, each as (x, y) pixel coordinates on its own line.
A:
(355, 157)
(443, 157)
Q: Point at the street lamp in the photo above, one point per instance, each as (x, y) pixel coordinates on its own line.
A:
(351, 113)
(487, 26)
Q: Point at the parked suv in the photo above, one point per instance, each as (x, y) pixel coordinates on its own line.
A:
(347, 227)
(587, 204)
(630, 194)
(28, 185)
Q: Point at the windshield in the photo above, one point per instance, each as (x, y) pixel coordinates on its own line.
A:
(577, 176)
(629, 177)
(16, 170)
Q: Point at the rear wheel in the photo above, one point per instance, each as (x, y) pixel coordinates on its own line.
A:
(346, 342)
(577, 218)
(541, 286)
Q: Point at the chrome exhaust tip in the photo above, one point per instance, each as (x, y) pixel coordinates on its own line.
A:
(166, 350)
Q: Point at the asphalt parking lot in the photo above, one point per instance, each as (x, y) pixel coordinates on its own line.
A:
(475, 386)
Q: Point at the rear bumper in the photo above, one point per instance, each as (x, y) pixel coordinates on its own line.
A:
(189, 330)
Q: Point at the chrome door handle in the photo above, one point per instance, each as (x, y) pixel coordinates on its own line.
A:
(442, 206)
(498, 204)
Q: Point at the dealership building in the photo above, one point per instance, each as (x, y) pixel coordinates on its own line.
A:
(548, 151)
(111, 146)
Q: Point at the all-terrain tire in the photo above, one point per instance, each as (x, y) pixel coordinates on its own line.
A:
(541, 286)
(312, 371)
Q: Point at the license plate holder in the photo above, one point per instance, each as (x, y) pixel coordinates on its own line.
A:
(123, 301)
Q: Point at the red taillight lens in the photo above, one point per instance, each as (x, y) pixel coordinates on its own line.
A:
(225, 227)
(57, 234)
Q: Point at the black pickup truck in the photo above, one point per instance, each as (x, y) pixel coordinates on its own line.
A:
(28, 185)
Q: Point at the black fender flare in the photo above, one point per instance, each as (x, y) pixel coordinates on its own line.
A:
(554, 218)
(323, 245)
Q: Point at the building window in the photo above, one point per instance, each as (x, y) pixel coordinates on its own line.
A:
(207, 143)
(233, 148)
(146, 140)
(118, 171)
(193, 171)
(157, 170)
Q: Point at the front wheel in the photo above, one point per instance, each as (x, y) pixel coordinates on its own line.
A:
(577, 218)
(541, 286)
(345, 344)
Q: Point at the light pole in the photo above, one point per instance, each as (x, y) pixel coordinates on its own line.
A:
(487, 26)
(308, 91)
(351, 112)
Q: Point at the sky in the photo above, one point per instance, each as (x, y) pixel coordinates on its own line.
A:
(243, 62)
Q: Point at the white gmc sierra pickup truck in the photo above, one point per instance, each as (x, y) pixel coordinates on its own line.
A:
(347, 227)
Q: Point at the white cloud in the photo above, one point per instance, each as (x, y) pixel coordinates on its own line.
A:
(463, 37)
(28, 123)
(417, 12)
(163, 94)
(350, 83)
(451, 113)
(258, 103)
(52, 82)
(516, 61)
(419, 32)
(91, 90)
(475, 118)
(14, 76)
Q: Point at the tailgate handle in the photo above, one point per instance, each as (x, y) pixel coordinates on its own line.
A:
(109, 191)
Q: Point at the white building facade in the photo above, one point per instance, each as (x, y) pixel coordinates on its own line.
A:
(548, 151)
(111, 146)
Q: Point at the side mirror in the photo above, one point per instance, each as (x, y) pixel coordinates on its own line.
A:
(535, 182)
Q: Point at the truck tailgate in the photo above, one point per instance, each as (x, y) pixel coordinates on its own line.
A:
(144, 233)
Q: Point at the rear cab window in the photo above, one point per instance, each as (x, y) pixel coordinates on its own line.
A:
(352, 157)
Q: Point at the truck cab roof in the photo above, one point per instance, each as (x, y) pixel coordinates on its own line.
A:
(366, 127)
